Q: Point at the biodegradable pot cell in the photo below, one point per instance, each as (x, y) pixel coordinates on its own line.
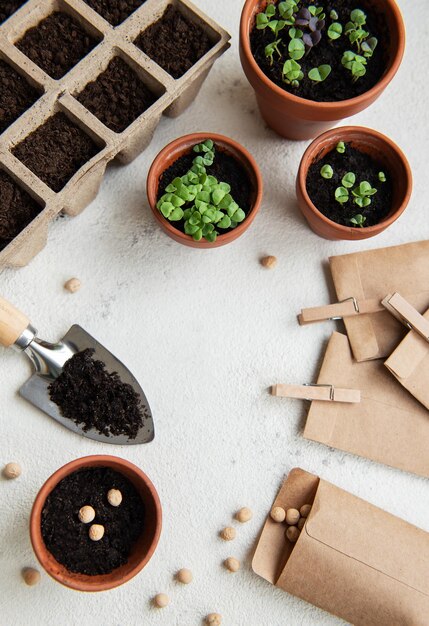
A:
(183, 145)
(377, 146)
(143, 549)
(297, 118)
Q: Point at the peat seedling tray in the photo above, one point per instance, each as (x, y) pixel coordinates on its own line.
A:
(51, 103)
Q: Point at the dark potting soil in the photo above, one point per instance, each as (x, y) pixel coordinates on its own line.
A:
(56, 151)
(338, 86)
(8, 7)
(66, 537)
(56, 44)
(118, 96)
(225, 168)
(174, 42)
(115, 11)
(17, 209)
(322, 191)
(94, 398)
(16, 95)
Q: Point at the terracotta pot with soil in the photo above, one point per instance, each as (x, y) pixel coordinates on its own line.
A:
(353, 183)
(204, 190)
(95, 523)
(303, 79)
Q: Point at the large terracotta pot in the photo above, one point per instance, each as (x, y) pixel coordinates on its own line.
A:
(178, 148)
(379, 147)
(142, 550)
(298, 118)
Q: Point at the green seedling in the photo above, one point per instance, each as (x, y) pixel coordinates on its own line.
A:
(319, 74)
(295, 33)
(341, 195)
(348, 180)
(272, 48)
(317, 12)
(340, 147)
(362, 194)
(354, 29)
(287, 10)
(382, 177)
(358, 220)
(355, 63)
(291, 73)
(335, 31)
(327, 172)
(333, 15)
(296, 49)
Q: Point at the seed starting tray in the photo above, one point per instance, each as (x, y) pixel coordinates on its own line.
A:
(174, 96)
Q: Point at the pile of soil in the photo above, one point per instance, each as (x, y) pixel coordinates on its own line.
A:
(115, 11)
(118, 96)
(16, 95)
(66, 537)
(174, 42)
(7, 7)
(56, 151)
(322, 191)
(225, 168)
(17, 209)
(338, 86)
(56, 44)
(96, 399)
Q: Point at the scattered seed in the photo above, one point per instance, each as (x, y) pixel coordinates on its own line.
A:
(305, 510)
(86, 514)
(114, 497)
(96, 532)
(278, 514)
(31, 576)
(232, 564)
(228, 533)
(12, 470)
(184, 576)
(244, 515)
(161, 600)
(301, 523)
(214, 619)
(292, 533)
(72, 285)
(269, 262)
(292, 517)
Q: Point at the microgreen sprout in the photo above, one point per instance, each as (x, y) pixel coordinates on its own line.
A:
(292, 73)
(341, 195)
(354, 30)
(355, 63)
(319, 74)
(264, 20)
(333, 15)
(362, 194)
(200, 200)
(382, 177)
(340, 147)
(368, 46)
(287, 9)
(271, 48)
(327, 172)
(335, 31)
(348, 180)
(358, 220)
(296, 49)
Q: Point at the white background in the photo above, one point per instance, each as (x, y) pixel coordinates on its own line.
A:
(206, 333)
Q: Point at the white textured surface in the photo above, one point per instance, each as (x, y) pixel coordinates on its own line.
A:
(206, 333)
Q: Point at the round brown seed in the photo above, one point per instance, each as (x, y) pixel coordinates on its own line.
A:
(96, 532)
(114, 497)
(161, 600)
(232, 564)
(244, 515)
(292, 533)
(269, 262)
(31, 576)
(305, 510)
(72, 285)
(228, 533)
(301, 523)
(184, 576)
(278, 514)
(214, 619)
(86, 514)
(12, 470)
(292, 516)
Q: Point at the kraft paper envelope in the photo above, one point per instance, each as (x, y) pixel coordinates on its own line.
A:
(387, 425)
(352, 559)
(409, 363)
(371, 275)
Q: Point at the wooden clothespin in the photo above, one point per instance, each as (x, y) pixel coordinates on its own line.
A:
(346, 308)
(326, 393)
(407, 314)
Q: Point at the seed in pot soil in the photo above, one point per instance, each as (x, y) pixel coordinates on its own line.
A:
(56, 44)
(96, 532)
(232, 564)
(17, 209)
(269, 262)
(115, 11)
(161, 600)
(278, 514)
(117, 96)
(366, 168)
(292, 516)
(228, 533)
(305, 510)
(214, 619)
(72, 285)
(184, 576)
(292, 533)
(174, 42)
(114, 497)
(12, 470)
(244, 515)
(86, 514)
(67, 539)
(97, 399)
(31, 576)
(16, 95)
(56, 151)
(8, 7)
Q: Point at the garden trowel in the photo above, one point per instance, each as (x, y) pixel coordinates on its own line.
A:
(49, 359)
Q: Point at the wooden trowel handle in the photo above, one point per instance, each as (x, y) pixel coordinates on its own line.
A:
(12, 323)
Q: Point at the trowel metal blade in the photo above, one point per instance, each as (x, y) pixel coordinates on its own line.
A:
(35, 390)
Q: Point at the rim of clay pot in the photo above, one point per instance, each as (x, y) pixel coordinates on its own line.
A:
(182, 145)
(395, 59)
(142, 550)
(355, 135)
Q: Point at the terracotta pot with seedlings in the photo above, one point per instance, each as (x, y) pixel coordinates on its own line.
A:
(204, 190)
(353, 183)
(85, 508)
(310, 68)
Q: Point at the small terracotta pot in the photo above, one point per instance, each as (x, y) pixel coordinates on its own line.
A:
(178, 148)
(298, 118)
(376, 145)
(142, 550)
